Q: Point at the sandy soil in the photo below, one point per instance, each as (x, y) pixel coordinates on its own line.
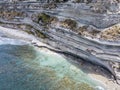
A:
(109, 84)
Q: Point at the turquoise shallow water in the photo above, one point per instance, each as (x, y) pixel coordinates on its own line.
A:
(22, 67)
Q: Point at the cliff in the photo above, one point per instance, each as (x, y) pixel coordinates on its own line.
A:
(87, 29)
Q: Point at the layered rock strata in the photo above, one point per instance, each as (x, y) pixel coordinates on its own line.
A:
(71, 28)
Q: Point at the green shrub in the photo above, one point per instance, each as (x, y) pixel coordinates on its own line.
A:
(44, 18)
(72, 24)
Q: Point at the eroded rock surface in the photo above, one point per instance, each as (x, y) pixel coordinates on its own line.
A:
(87, 29)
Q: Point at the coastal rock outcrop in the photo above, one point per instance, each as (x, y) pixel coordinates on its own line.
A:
(81, 29)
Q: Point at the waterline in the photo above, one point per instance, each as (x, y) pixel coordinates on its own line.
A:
(24, 67)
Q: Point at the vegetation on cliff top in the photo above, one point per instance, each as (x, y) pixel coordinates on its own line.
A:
(69, 23)
(43, 18)
(112, 33)
(11, 14)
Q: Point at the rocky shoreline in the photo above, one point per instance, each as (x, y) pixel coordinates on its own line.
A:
(94, 71)
(83, 34)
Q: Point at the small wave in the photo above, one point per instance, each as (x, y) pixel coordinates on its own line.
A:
(11, 41)
(99, 88)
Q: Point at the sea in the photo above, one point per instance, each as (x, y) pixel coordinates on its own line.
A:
(25, 67)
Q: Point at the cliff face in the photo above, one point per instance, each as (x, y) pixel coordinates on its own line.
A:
(82, 28)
